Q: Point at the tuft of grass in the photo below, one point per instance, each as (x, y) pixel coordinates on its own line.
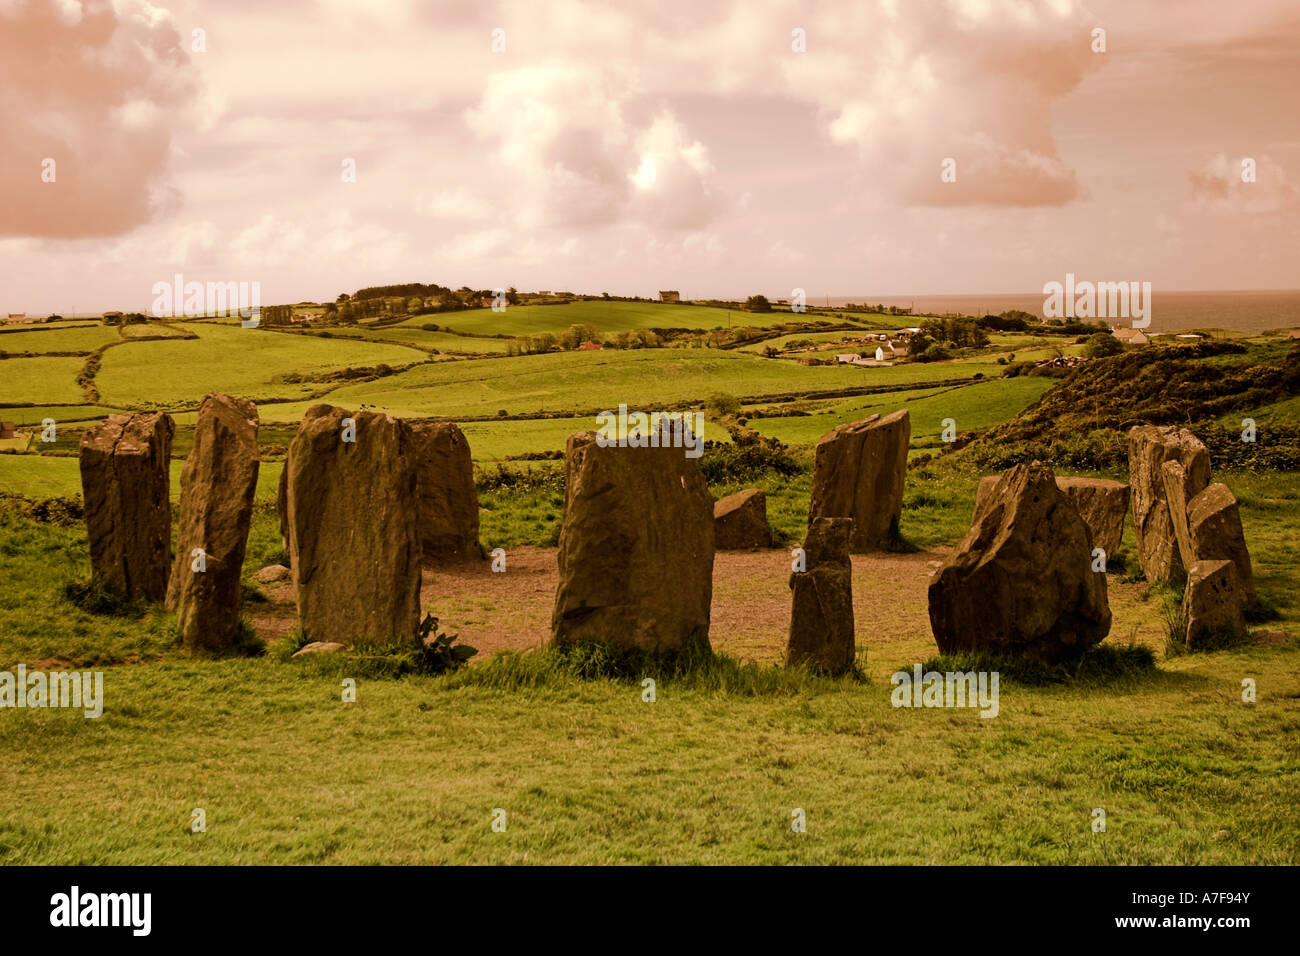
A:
(94, 598)
(694, 668)
(1098, 665)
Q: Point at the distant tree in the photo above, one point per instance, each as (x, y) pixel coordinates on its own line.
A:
(1102, 344)
(54, 318)
(512, 296)
(757, 303)
(343, 297)
(720, 403)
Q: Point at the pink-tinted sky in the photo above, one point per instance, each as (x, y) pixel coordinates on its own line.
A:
(631, 147)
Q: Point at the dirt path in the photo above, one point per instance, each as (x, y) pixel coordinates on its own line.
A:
(751, 604)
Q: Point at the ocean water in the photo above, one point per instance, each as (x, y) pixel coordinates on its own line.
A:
(1170, 311)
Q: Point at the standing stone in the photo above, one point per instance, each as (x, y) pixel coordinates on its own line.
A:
(1101, 503)
(821, 617)
(126, 486)
(636, 548)
(282, 505)
(858, 473)
(1174, 477)
(218, 484)
(1021, 581)
(740, 521)
(1212, 603)
(448, 498)
(1214, 527)
(353, 535)
(1149, 447)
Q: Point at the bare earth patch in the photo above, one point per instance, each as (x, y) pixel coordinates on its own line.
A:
(751, 605)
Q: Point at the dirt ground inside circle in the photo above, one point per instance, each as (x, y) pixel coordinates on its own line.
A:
(751, 605)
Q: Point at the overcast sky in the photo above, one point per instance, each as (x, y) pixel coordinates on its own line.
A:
(631, 147)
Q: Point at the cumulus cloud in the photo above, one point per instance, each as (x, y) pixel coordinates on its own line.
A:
(913, 84)
(571, 157)
(90, 92)
(1218, 187)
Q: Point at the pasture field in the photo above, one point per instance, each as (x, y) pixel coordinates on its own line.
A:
(57, 338)
(242, 362)
(410, 334)
(606, 316)
(40, 380)
(593, 380)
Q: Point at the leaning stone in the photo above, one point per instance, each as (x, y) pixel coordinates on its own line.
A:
(821, 616)
(1212, 603)
(1149, 447)
(1215, 532)
(740, 521)
(218, 484)
(447, 495)
(126, 486)
(1021, 581)
(636, 548)
(353, 535)
(858, 473)
(282, 505)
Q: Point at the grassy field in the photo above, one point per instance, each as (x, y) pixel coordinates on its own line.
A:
(58, 339)
(605, 316)
(241, 362)
(39, 380)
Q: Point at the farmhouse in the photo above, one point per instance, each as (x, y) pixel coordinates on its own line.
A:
(1130, 336)
(8, 430)
(670, 295)
(590, 346)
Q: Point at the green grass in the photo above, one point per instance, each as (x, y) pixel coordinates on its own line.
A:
(412, 334)
(40, 380)
(972, 407)
(57, 339)
(47, 476)
(589, 773)
(34, 415)
(241, 362)
(591, 380)
(605, 316)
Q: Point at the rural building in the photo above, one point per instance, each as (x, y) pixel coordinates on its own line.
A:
(669, 295)
(1293, 335)
(1130, 336)
(8, 430)
(590, 346)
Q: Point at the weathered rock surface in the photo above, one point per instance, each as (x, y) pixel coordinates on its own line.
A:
(447, 495)
(1101, 503)
(821, 616)
(636, 549)
(1174, 477)
(858, 473)
(1021, 581)
(282, 505)
(1215, 532)
(740, 521)
(125, 483)
(272, 574)
(1149, 447)
(1213, 602)
(354, 539)
(218, 484)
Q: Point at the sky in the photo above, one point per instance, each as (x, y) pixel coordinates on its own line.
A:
(717, 148)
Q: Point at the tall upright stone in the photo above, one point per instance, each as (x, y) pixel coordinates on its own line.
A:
(636, 548)
(858, 473)
(1021, 581)
(821, 615)
(1215, 533)
(1149, 447)
(447, 495)
(218, 485)
(126, 485)
(353, 535)
(282, 505)
(740, 521)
